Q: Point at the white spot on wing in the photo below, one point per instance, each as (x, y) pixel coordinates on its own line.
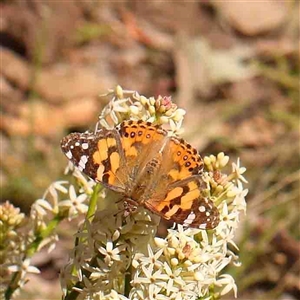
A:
(203, 226)
(77, 144)
(82, 162)
(69, 154)
(85, 146)
(201, 208)
(190, 218)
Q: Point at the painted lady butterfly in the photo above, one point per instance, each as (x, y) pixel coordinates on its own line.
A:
(140, 161)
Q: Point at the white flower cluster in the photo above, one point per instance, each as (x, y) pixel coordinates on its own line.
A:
(103, 255)
(130, 105)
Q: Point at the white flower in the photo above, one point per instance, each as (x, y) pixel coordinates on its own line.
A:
(86, 185)
(41, 206)
(24, 268)
(237, 170)
(239, 200)
(229, 217)
(151, 277)
(111, 254)
(75, 204)
(174, 281)
(154, 293)
(228, 282)
(151, 259)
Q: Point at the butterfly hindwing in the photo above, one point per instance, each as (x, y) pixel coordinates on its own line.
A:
(184, 203)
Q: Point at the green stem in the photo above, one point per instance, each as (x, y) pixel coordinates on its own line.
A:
(32, 248)
(13, 285)
(92, 208)
(127, 287)
(93, 202)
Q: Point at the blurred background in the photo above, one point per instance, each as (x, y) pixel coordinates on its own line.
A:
(232, 65)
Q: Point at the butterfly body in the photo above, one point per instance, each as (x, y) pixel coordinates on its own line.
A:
(147, 167)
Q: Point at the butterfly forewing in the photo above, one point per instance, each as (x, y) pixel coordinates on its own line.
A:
(79, 147)
(97, 155)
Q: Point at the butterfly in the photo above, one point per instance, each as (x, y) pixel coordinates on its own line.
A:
(138, 160)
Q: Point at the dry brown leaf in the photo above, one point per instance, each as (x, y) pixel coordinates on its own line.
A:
(200, 68)
(57, 83)
(255, 132)
(253, 17)
(47, 120)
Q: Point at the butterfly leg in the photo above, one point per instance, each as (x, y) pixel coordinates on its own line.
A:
(128, 206)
